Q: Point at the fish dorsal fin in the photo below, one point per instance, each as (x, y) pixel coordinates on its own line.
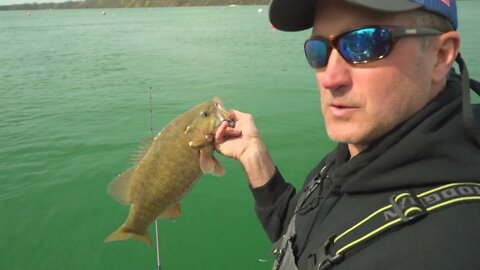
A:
(119, 188)
(142, 150)
(171, 213)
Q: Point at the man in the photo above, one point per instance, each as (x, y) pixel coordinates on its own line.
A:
(402, 188)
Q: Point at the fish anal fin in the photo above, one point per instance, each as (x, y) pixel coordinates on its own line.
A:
(142, 150)
(123, 234)
(171, 213)
(119, 188)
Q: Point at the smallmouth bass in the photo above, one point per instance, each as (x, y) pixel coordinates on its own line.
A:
(167, 169)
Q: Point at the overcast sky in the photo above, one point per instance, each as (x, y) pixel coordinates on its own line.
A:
(12, 2)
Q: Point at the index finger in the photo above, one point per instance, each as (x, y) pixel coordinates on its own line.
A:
(221, 131)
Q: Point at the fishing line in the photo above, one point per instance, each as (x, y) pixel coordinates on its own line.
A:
(157, 237)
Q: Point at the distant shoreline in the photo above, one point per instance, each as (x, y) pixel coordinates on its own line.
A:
(135, 4)
(130, 4)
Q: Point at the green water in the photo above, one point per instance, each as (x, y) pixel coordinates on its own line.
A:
(74, 105)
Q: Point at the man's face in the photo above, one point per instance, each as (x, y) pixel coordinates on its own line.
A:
(362, 102)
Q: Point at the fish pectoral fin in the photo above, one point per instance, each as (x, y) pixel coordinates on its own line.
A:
(206, 161)
(119, 188)
(209, 164)
(218, 169)
(171, 213)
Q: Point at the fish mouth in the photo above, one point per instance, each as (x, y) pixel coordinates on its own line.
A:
(221, 113)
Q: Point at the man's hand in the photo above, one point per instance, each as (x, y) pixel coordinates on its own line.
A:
(243, 143)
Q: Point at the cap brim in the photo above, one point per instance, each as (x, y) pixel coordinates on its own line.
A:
(298, 15)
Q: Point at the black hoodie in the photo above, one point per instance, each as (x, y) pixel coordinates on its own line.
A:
(426, 151)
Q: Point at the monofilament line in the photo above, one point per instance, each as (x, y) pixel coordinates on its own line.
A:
(157, 237)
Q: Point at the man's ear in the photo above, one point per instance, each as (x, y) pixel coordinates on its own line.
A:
(446, 48)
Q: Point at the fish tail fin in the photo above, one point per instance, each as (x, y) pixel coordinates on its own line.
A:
(123, 234)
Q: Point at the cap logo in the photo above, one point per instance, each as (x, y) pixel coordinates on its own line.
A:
(446, 2)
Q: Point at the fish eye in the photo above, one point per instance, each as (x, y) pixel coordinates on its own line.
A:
(205, 114)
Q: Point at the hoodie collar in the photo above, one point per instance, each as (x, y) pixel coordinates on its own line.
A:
(430, 148)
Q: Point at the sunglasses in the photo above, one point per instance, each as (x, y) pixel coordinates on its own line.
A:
(362, 45)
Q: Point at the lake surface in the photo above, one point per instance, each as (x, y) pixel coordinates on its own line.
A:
(75, 104)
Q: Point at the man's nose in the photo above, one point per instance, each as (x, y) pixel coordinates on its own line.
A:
(336, 74)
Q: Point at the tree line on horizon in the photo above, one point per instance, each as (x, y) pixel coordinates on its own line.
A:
(129, 4)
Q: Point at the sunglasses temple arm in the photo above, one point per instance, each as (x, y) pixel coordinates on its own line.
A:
(415, 31)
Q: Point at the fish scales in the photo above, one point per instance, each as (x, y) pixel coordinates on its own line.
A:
(166, 182)
(178, 156)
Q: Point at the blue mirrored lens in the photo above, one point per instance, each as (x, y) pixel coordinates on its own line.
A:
(364, 45)
(316, 52)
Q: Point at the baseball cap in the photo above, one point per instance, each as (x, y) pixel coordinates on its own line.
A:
(297, 15)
